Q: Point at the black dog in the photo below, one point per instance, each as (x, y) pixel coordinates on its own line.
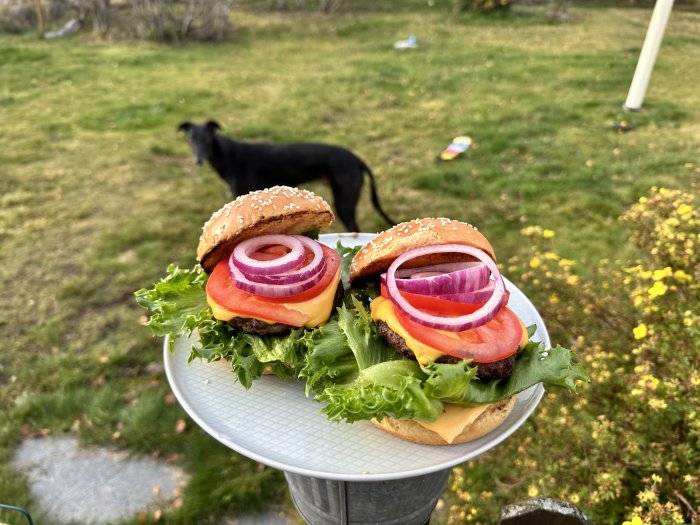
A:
(247, 167)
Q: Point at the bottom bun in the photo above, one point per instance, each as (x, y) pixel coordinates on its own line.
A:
(410, 430)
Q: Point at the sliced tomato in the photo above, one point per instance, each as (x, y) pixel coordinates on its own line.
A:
(222, 290)
(493, 341)
(436, 305)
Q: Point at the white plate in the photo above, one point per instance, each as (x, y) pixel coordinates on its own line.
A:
(275, 424)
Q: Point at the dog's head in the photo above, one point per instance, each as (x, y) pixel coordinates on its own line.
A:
(201, 138)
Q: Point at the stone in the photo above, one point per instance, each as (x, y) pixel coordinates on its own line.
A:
(93, 485)
(543, 511)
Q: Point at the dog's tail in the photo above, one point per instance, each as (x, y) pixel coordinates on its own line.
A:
(375, 196)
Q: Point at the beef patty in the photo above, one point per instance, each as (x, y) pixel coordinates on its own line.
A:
(258, 327)
(496, 370)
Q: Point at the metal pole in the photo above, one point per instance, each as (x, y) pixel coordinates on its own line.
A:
(652, 42)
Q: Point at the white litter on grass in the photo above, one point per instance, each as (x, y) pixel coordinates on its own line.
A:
(92, 486)
(409, 43)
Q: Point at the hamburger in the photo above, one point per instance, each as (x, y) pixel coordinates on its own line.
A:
(440, 356)
(260, 284)
(266, 277)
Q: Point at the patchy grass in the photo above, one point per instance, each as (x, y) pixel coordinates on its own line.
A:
(98, 193)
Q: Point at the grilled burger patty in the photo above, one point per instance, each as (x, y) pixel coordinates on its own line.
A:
(496, 370)
(258, 327)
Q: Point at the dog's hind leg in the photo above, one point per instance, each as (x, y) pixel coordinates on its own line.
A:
(346, 197)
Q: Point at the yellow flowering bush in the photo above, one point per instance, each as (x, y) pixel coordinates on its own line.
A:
(627, 449)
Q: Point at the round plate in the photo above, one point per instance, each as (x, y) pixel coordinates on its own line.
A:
(275, 424)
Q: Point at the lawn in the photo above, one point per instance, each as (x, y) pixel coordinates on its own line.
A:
(99, 193)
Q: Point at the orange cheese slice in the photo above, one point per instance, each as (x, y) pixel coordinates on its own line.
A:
(382, 309)
(453, 420)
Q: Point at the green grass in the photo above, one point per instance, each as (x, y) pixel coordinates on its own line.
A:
(98, 193)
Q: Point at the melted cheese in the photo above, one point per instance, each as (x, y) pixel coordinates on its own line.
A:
(382, 309)
(525, 339)
(453, 420)
(318, 308)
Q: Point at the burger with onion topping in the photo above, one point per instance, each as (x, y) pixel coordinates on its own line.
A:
(266, 276)
(440, 356)
(261, 284)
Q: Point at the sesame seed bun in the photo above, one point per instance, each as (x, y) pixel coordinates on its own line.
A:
(410, 430)
(276, 210)
(376, 256)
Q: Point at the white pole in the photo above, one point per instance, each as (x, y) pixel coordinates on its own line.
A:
(652, 42)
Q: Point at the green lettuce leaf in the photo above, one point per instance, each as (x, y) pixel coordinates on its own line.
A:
(346, 256)
(358, 376)
(178, 303)
(368, 347)
(553, 367)
(392, 388)
(178, 306)
(328, 357)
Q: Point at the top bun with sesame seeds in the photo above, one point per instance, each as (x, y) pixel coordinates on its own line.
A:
(276, 210)
(376, 256)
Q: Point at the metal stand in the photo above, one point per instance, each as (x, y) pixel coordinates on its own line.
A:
(407, 501)
(20, 510)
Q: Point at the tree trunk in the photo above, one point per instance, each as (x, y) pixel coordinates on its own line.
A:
(40, 20)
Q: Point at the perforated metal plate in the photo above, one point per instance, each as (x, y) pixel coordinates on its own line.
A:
(275, 424)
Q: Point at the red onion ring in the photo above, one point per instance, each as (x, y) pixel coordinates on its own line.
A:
(472, 297)
(241, 259)
(282, 283)
(453, 324)
(316, 266)
(271, 290)
(441, 268)
(426, 282)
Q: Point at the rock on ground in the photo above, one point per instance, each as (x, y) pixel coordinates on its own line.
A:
(92, 486)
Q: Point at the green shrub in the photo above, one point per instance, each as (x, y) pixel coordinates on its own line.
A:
(627, 447)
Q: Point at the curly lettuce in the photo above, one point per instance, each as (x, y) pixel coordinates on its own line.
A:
(376, 381)
(179, 308)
